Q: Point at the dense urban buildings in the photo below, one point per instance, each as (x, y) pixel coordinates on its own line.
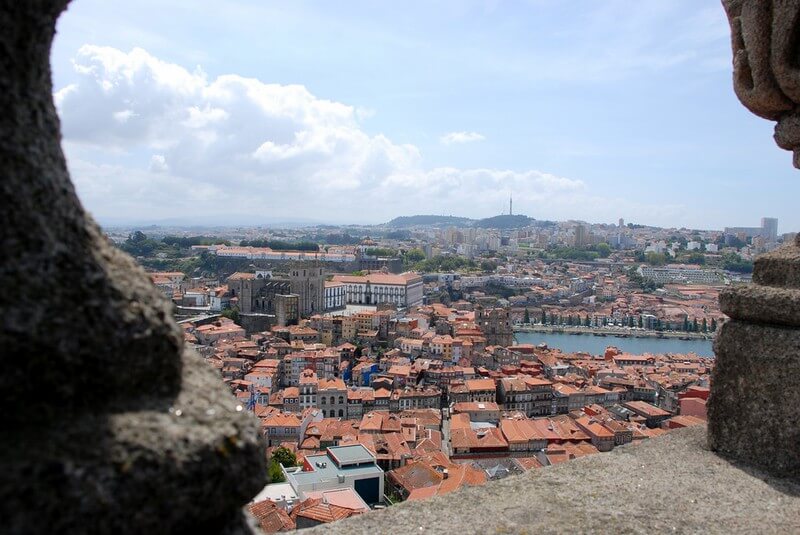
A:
(406, 380)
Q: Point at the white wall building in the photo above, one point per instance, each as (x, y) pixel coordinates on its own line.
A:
(335, 295)
(404, 290)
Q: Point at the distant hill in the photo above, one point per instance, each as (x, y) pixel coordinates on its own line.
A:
(498, 221)
(430, 220)
(504, 221)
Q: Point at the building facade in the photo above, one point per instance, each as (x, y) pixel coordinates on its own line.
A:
(404, 290)
(495, 323)
(258, 293)
(335, 295)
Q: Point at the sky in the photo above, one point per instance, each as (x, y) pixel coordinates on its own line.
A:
(256, 112)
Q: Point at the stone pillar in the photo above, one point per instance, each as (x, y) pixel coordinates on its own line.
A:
(755, 392)
(109, 423)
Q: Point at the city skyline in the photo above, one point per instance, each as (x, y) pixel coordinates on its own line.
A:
(266, 113)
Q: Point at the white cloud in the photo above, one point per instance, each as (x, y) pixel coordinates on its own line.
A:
(158, 164)
(143, 133)
(460, 137)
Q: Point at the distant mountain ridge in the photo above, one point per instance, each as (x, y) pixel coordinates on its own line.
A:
(499, 221)
(430, 220)
(505, 221)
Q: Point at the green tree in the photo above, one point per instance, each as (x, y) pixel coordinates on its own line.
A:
(734, 262)
(686, 323)
(527, 317)
(414, 255)
(544, 317)
(656, 259)
(137, 237)
(381, 251)
(705, 326)
(694, 325)
(231, 314)
(696, 258)
(604, 249)
(274, 472)
(587, 322)
(285, 457)
(630, 321)
(138, 244)
(641, 322)
(488, 266)
(713, 325)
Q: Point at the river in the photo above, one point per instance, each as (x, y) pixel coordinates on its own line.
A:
(596, 345)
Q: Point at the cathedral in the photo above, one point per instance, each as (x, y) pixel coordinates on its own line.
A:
(263, 292)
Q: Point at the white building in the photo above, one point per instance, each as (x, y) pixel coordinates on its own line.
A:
(339, 467)
(404, 290)
(265, 253)
(674, 274)
(335, 295)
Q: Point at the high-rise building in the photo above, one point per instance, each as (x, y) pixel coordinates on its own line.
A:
(581, 237)
(621, 222)
(769, 228)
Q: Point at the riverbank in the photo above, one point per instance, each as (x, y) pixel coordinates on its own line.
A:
(616, 332)
(596, 345)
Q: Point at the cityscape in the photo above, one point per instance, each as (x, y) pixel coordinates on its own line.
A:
(438, 266)
(406, 360)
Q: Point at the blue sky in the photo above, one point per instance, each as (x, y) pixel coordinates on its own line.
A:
(363, 111)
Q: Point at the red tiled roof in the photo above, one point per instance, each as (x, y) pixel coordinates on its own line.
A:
(270, 517)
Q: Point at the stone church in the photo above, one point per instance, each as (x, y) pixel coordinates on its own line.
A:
(263, 292)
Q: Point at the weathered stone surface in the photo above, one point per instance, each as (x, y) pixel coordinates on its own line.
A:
(671, 484)
(109, 424)
(752, 411)
(780, 267)
(753, 79)
(762, 304)
(755, 392)
(766, 78)
(169, 466)
(74, 305)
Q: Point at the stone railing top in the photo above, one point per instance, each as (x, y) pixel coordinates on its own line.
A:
(670, 484)
(110, 424)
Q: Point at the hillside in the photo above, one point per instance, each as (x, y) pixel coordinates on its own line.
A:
(430, 220)
(498, 221)
(504, 221)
